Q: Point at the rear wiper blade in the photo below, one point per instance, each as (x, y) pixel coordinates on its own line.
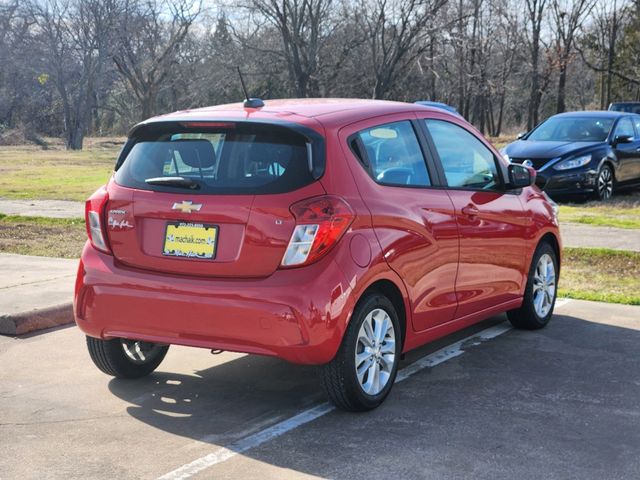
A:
(179, 182)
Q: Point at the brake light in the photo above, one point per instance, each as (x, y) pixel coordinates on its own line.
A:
(208, 124)
(320, 223)
(94, 218)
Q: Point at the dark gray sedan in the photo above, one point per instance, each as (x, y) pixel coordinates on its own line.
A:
(590, 153)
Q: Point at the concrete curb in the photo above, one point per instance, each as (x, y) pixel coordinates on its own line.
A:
(25, 322)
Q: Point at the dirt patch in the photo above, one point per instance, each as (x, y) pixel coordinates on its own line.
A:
(47, 238)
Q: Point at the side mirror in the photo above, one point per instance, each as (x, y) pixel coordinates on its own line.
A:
(521, 135)
(520, 176)
(621, 139)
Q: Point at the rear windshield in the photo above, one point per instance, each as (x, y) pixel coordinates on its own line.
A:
(217, 159)
(625, 107)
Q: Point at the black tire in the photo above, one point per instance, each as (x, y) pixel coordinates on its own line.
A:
(526, 317)
(110, 357)
(605, 183)
(339, 376)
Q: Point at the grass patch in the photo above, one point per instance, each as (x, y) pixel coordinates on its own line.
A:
(29, 172)
(622, 211)
(600, 274)
(41, 236)
(502, 141)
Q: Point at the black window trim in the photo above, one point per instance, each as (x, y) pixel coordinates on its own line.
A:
(365, 162)
(500, 167)
(316, 140)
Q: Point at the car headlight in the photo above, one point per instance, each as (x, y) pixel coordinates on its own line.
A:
(574, 162)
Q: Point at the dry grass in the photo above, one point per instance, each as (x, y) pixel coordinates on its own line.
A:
(29, 172)
(622, 211)
(502, 140)
(601, 274)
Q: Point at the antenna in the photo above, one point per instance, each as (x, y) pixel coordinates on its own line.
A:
(249, 102)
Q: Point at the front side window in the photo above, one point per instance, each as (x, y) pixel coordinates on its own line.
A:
(466, 161)
(624, 128)
(394, 155)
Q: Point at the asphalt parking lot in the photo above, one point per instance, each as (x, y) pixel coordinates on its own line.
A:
(560, 403)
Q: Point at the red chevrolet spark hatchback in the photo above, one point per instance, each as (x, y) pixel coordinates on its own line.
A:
(339, 233)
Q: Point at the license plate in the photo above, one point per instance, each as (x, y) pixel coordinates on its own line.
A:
(190, 240)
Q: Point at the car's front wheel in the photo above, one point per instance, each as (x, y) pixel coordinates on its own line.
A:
(123, 358)
(604, 183)
(363, 371)
(540, 292)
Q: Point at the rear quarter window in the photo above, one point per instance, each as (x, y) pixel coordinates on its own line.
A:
(239, 159)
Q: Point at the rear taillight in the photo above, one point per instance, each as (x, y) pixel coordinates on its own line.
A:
(320, 223)
(94, 218)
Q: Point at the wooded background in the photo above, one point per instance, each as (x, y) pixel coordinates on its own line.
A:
(72, 68)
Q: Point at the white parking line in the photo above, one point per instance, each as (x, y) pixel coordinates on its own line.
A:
(225, 453)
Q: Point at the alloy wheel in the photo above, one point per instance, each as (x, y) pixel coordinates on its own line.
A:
(375, 354)
(544, 286)
(140, 352)
(605, 183)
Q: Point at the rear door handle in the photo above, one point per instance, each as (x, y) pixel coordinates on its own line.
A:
(470, 211)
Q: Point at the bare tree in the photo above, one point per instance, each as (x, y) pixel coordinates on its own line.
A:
(69, 67)
(74, 38)
(535, 10)
(149, 38)
(13, 28)
(602, 43)
(568, 16)
(507, 50)
(395, 31)
(303, 26)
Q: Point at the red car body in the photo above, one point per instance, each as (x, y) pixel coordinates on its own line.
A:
(446, 257)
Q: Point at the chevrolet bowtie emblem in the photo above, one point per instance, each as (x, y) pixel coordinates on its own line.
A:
(187, 206)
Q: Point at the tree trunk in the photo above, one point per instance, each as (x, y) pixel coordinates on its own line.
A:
(500, 116)
(611, 57)
(432, 71)
(534, 98)
(75, 138)
(562, 82)
(148, 104)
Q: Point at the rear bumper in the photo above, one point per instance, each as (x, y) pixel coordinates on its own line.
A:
(299, 314)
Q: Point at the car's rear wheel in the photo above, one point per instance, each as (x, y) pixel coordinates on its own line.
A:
(540, 292)
(362, 373)
(123, 358)
(604, 183)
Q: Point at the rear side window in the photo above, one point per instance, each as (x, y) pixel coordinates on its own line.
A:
(227, 159)
(394, 155)
(466, 161)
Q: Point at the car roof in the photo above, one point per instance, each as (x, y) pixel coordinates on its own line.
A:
(594, 113)
(331, 112)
